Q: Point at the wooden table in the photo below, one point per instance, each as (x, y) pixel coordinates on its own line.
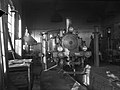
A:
(20, 72)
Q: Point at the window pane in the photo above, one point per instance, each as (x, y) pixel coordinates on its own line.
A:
(11, 26)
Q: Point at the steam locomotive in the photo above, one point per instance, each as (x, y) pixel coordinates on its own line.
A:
(65, 48)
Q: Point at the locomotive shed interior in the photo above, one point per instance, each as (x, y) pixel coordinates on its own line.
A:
(59, 45)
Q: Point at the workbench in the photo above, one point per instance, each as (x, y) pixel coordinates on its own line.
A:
(20, 73)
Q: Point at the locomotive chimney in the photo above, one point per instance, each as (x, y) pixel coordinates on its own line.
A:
(68, 24)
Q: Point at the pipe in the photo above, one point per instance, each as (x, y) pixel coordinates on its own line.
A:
(96, 46)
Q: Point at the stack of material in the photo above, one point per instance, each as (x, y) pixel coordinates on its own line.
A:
(100, 80)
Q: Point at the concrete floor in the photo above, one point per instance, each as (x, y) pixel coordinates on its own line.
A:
(52, 80)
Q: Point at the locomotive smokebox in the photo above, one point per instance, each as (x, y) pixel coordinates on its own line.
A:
(70, 41)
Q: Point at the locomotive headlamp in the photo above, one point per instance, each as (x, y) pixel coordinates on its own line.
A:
(119, 47)
(88, 54)
(59, 48)
(51, 35)
(84, 48)
(109, 31)
(60, 54)
(71, 29)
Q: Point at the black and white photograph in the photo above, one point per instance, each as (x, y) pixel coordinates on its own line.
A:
(59, 45)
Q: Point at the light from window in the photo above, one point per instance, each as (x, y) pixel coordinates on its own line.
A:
(18, 42)
(11, 26)
(20, 32)
(2, 43)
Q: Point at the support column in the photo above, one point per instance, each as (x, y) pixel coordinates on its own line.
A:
(96, 46)
(44, 58)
